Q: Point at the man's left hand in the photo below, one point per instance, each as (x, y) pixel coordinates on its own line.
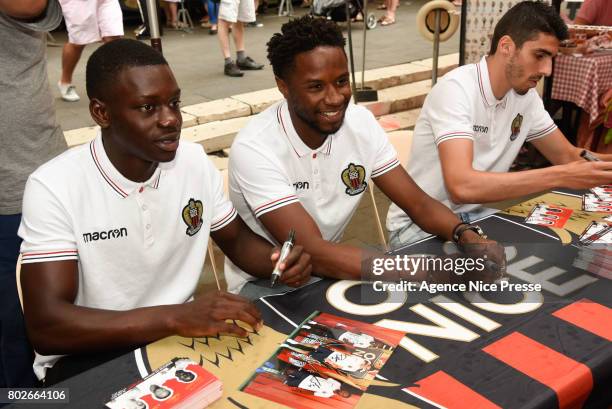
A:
(491, 251)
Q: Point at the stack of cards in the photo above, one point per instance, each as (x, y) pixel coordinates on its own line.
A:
(179, 384)
(599, 200)
(549, 215)
(595, 252)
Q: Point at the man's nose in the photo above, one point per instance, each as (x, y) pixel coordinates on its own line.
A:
(333, 96)
(170, 118)
(546, 68)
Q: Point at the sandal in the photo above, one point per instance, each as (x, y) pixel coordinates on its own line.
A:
(386, 21)
(382, 7)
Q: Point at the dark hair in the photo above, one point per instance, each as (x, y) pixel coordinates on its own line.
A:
(525, 21)
(301, 35)
(108, 60)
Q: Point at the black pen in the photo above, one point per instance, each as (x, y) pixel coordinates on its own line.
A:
(586, 155)
(285, 250)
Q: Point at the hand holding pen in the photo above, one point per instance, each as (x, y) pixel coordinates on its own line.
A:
(292, 264)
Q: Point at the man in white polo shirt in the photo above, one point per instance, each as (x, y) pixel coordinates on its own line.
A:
(115, 231)
(475, 120)
(305, 162)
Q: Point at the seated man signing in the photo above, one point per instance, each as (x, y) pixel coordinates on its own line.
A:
(305, 162)
(475, 120)
(115, 231)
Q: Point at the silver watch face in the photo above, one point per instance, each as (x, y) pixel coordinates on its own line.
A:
(475, 228)
(478, 229)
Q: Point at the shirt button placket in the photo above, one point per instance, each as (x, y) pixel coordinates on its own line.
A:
(146, 221)
(316, 178)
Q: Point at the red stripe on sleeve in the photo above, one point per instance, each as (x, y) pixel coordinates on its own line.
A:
(588, 315)
(447, 391)
(571, 380)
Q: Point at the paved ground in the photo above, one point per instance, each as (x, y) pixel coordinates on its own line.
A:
(197, 63)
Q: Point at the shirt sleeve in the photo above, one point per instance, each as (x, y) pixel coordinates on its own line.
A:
(386, 156)
(588, 11)
(46, 228)
(49, 20)
(448, 112)
(223, 210)
(262, 182)
(542, 123)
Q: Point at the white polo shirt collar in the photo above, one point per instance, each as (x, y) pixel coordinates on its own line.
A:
(484, 84)
(113, 178)
(300, 148)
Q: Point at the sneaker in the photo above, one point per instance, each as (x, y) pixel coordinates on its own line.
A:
(68, 92)
(256, 24)
(232, 70)
(248, 64)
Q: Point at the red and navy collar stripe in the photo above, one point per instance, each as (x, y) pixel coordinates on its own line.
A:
(109, 181)
(279, 118)
(481, 84)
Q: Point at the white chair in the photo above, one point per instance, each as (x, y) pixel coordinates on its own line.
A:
(381, 232)
(402, 142)
(285, 8)
(184, 18)
(211, 252)
(18, 279)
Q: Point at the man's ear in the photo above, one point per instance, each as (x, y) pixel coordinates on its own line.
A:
(506, 46)
(99, 113)
(282, 86)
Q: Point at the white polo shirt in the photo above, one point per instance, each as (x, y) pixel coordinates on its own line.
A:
(137, 244)
(462, 106)
(271, 167)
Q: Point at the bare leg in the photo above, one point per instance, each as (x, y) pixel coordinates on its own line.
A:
(391, 8)
(71, 54)
(173, 9)
(166, 8)
(109, 39)
(223, 35)
(238, 32)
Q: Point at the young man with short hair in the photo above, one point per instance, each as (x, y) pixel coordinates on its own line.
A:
(305, 162)
(115, 231)
(475, 120)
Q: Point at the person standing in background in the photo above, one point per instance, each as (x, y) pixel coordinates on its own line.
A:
(171, 10)
(87, 22)
(213, 15)
(30, 136)
(235, 13)
(595, 13)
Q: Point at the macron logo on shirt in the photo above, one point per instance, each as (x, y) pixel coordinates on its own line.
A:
(105, 235)
(481, 128)
(301, 185)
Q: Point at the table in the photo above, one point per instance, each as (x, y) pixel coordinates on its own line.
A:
(582, 80)
(549, 350)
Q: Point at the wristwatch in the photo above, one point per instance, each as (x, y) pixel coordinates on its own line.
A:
(458, 232)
